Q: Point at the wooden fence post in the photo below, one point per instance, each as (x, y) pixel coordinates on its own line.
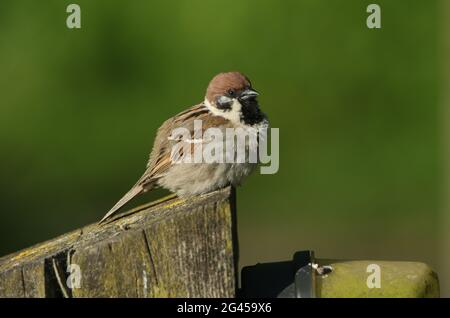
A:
(171, 248)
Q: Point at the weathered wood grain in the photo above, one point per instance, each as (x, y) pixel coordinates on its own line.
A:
(169, 248)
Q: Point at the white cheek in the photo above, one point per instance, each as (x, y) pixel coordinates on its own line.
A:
(233, 115)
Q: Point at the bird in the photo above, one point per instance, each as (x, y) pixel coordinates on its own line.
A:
(230, 102)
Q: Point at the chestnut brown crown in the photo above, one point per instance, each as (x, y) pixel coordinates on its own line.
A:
(229, 84)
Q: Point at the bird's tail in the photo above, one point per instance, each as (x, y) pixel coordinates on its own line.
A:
(137, 189)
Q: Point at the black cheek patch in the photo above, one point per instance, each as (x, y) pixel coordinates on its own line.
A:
(225, 106)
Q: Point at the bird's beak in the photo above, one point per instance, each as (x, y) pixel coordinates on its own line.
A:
(248, 93)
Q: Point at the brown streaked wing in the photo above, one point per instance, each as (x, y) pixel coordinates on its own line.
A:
(160, 160)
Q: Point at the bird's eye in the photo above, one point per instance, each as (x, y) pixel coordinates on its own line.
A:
(231, 92)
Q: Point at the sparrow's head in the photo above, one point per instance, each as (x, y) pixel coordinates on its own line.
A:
(231, 95)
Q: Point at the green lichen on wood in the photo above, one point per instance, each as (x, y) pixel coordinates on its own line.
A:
(169, 248)
(398, 279)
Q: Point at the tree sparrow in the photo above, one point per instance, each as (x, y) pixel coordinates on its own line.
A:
(230, 102)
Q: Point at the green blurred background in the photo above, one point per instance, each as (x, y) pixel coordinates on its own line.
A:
(358, 111)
